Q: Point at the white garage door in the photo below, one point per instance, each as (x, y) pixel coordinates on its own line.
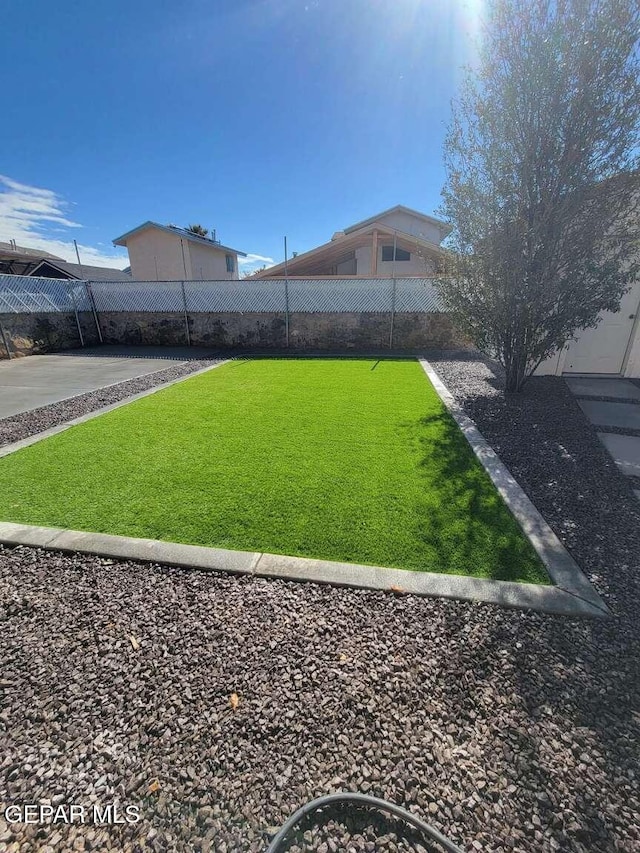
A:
(602, 350)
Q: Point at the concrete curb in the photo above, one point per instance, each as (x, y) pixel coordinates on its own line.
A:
(572, 594)
(562, 568)
(39, 436)
(545, 599)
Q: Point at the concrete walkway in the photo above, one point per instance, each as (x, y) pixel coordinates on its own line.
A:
(619, 418)
(39, 380)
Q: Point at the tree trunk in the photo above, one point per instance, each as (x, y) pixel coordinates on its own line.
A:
(516, 374)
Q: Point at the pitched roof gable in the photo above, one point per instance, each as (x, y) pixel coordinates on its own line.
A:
(180, 232)
(400, 208)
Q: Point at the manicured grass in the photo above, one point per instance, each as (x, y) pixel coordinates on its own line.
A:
(354, 460)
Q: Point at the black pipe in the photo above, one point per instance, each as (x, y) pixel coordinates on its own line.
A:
(362, 800)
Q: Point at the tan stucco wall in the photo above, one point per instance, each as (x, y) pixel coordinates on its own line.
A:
(157, 255)
(415, 266)
(208, 264)
(412, 225)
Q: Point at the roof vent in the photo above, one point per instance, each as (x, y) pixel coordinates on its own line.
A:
(338, 235)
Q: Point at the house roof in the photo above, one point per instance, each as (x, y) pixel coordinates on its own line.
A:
(23, 252)
(335, 249)
(351, 237)
(80, 272)
(182, 232)
(400, 208)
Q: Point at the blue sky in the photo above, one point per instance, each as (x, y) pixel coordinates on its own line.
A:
(255, 117)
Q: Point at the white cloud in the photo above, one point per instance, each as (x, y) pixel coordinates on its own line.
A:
(254, 262)
(32, 216)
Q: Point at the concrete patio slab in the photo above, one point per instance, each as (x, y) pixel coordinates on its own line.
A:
(594, 387)
(625, 450)
(96, 413)
(39, 380)
(600, 413)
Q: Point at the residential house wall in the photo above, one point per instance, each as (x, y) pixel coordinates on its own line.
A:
(208, 264)
(416, 265)
(401, 221)
(158, 255)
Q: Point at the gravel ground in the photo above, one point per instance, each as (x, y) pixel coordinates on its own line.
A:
(509, 731)
(29, 423)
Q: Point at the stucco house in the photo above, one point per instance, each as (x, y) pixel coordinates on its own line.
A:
(168, 253)
(20, 260)
(366, 249)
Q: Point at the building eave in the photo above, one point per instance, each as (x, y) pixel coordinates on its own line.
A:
(177, 232)
(48, 263)
(335, 248)
(445, 227)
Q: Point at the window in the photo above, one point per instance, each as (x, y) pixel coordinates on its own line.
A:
(231, 267)
(401, 254)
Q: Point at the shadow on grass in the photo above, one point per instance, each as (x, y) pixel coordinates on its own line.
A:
(464, 518)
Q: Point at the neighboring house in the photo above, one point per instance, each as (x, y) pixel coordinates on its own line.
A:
(366, 249)
(18, 260)
(168, 253)
(62, 269)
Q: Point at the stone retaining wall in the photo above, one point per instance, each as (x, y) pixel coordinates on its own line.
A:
(36, 333)
(321, 331)
(30, 334)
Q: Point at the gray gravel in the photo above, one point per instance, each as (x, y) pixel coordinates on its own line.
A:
(509, 731)
(29, 423)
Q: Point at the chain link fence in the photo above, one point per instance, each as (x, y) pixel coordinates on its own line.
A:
(27, 295)
(270, 295)
(19, 294)
(22, 294)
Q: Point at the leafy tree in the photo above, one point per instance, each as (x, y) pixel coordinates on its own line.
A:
(198, 230)
(542, 177)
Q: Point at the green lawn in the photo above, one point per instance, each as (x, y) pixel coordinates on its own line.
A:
(354, 460)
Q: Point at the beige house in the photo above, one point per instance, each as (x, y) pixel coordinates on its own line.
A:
(397, 242)
(168, 253)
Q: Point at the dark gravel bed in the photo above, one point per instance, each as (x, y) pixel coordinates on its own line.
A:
(509, 731)
(29, 423)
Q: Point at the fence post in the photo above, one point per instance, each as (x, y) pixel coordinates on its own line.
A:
(75, 309)
(5, 341)
(286, 309)
(393, 313)
(186, 316)
(87, 285)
